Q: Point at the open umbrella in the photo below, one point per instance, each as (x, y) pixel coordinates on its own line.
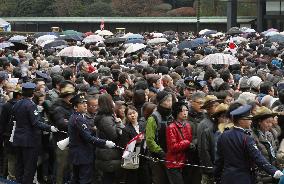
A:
(72, 37)
(104, 33)
(201, 41)
(157, 41)
(187, 44)
(247, 30)
(19, 46)
(6, 45)
(134, 41)
(234, 30)
(269, 30)
(218, 58)
(55, 44)
(89, 33)
(135, 47)
(271, 33)
(277, 38)
(135, 37)
(36, 35)
(157, 35)
(115, 40)
(93, 39)
(73, 32)
(75, 51)
(17, 38)
(207, 32)
(44, 38)
(170, 32)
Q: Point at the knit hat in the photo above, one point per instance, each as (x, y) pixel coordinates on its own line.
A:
(162, 96)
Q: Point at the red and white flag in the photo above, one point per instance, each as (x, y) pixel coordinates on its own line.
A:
(102, 26)
(131, 145)
(232, 46)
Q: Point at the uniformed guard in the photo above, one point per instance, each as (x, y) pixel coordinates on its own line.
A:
(26, 135)
(237, 152)
(81, 142)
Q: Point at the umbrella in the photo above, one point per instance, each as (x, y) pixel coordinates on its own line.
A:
(6, 45)
(170, 32)
(201, 41)
(73, 32)
(19, 46)
(17, 38)
(234, 30)
(157, 35)
(93, 38)
(55, 44)
(115, 40)
(269, 30)
(187, 44)
(135, 41)
(218, 58)
(89, 33)
(36, 35)
(271, 33)
(207, 32)
(104, 32)
(72, 37)
(135, 37)
(277, 38)
(44, 38)
(247, 30)
(238, 39)
(135, 47)
(75, 51)
(126, 35)
(157, 41)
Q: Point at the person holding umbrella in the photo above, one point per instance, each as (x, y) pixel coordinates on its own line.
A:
(237, 152)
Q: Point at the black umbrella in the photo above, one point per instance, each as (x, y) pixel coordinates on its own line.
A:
(234, 31)
(72, 37)
(115, 40)
(54, 44)
(19, 46)
(169, 32)
(39, 34)
(187, 44)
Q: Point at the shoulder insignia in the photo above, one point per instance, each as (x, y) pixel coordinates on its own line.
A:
(36, 112)
(255, 146)
(84, 126)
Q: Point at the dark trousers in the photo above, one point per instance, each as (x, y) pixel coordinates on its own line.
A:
(192, 175)
(109, 178)
(139, 176)
(159, 173)
(82, 174)
(175, 176)
(26, 164)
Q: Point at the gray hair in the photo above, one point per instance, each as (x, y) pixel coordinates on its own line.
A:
(197, 95)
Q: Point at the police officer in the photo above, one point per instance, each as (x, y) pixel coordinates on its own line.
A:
(26, 134)
(81, 142)
(237, 152)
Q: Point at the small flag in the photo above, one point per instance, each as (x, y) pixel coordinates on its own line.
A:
(102, 26)
(232, 46)
(131, 145)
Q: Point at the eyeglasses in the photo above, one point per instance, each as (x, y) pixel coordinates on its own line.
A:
(93, 106)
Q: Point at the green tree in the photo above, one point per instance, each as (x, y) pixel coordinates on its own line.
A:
(99, 8)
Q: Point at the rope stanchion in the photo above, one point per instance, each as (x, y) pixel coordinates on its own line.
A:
(165, 161)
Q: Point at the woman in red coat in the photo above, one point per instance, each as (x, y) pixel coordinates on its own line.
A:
(178, 135)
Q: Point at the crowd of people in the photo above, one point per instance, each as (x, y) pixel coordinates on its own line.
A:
(154, 115)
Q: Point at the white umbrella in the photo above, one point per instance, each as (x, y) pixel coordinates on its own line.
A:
(17, 38)
(238, 39)
(157, 41)
(6, 44)
(271, 33)
(75, 51)
(44, 38)
(93, 38)
(218, 58)
(247, 30)
(157, 35)
(134, 47)
(104, 33)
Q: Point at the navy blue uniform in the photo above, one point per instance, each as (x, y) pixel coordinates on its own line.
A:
(236, 155)
(27, 139)
(81, 148)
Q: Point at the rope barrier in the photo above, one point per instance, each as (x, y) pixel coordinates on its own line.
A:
(165, 161)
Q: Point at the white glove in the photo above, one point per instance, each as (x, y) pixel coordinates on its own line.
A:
(277, 174)
(110, 144)
(53, 129)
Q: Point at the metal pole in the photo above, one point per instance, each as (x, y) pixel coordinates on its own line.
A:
(198, 17)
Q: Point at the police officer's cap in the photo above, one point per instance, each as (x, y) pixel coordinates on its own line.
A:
(243, 112)
(79, 98)
(42, 75)
(28, 86)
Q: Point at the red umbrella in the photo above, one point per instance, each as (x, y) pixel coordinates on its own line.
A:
(89, 33)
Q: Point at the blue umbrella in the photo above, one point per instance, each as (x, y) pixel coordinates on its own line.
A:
(277, 38)
(200, 41)
(187, 44)
(54, 44)
(36, 35)
(135, 37)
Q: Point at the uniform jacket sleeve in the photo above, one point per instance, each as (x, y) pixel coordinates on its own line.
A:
(219, 161)
(86, 134)
(173, 145)
(151, 127)
(34, 119)
(258, 158)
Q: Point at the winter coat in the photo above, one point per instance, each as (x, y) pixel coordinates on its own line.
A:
(178, 137)
(108, 160)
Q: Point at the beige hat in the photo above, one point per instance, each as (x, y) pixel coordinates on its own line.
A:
(263, 113)
(209, 99)
(221, 108)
